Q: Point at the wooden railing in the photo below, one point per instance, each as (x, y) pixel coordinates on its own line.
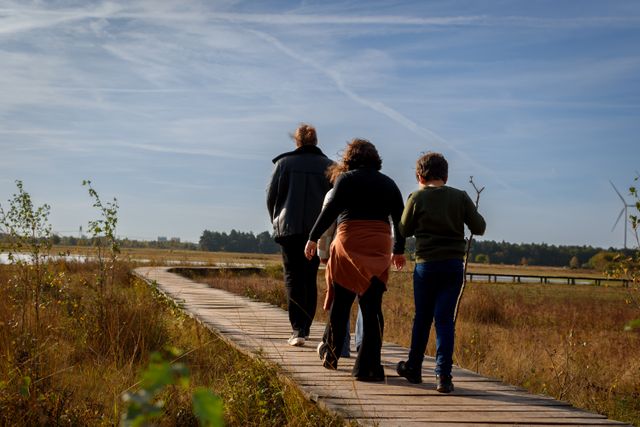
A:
(537, 278)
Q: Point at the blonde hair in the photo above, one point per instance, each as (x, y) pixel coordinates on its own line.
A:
(305, 135)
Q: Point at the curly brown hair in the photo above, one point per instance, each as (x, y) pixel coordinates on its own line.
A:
(305, 135)
(359, 153)
(432, 166)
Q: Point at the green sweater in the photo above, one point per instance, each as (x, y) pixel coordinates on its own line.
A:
(436, 216)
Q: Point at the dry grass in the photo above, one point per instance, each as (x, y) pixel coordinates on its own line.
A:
(173, 256)
(564, 341)
(533, 270)
(92, 344)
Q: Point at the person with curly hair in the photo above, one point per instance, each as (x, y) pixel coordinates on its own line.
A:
(360, 255)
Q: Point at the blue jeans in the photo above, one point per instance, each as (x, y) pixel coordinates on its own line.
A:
(359, 328)
(436, 286)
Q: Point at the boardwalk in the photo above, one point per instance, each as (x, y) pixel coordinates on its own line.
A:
(256, 327)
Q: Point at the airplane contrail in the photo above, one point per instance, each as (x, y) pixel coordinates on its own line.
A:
(377, 106)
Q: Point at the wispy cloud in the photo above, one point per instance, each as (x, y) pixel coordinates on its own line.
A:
(427, 134)
(180, 185)
(177, 149)
(155, 92)
(20, 18)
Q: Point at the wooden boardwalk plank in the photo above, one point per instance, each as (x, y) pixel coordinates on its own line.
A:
(262, 329)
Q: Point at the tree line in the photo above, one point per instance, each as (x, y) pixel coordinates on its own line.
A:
(482, 251)
(487, 251)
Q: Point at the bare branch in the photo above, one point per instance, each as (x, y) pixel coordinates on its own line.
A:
(467, 251)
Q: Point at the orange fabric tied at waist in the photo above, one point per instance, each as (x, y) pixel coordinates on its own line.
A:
(360, 251)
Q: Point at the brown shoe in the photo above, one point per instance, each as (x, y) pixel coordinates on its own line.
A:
(444, 383)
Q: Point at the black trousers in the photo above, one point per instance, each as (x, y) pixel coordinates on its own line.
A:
(367, 363)
(300, 275)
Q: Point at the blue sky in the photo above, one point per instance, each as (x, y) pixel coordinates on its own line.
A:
(177, 107)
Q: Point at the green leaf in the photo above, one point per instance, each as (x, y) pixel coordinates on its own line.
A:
(634, 324)
(208, 408)
(25, 386)
(157, 376)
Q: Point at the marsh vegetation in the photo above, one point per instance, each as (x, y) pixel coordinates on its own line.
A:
(564, 341)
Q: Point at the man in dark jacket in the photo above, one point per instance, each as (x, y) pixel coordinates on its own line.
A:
(294, 201)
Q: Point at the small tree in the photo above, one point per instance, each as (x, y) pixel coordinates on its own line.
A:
(28, 242)
(482, 259)
(103, 235)
(574, 262)
(602, 260)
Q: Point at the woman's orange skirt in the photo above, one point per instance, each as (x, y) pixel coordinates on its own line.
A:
(360, 251)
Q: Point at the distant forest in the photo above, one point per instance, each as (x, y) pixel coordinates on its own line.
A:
(483, 251)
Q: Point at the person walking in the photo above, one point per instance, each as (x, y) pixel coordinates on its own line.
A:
(294, 200)
(361, 254)
(323, 249)
(436, 214)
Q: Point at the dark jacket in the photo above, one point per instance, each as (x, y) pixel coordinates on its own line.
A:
(437, 216)
(363, 193)
(296, 190)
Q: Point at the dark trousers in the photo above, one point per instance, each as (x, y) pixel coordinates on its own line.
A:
(367, 363)
(300, 276)
(436, 286)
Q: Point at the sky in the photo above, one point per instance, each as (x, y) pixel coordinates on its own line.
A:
(176, 108)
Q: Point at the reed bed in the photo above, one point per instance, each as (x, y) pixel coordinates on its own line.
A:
(91, 342)
(564, 341)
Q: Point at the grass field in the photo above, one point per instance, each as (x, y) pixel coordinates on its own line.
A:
(89, 344)
(564, 341)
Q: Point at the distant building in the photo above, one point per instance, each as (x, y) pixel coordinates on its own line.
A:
(175, 239)
(162, 239)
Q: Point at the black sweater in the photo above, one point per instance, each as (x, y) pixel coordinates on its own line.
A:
(361, 194)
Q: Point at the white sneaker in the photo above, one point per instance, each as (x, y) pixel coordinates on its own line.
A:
(295, 340)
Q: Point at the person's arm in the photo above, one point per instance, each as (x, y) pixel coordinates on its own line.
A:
(472, 218)
(396, 217)
(330, 212)
(272, 190)
(407, 223)
(324, 243)
(327, 217)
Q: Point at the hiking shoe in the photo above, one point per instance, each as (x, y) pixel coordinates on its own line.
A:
(296, 340)
(444, 383)
(371, 376)
(413, 375)
(328, 361)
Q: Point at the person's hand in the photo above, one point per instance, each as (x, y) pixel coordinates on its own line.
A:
(398, 261)
(310, 249)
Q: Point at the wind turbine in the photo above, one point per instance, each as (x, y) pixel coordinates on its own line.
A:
(622, 212)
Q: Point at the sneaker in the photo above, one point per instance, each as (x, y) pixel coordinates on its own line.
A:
(296, 340)
(444, 383)
(413, 375)
(324, 353)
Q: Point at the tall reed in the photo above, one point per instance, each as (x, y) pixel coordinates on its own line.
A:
(564, 341)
